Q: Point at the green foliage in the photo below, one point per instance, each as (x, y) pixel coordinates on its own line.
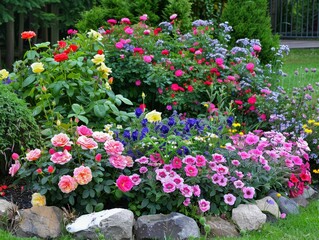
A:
(97, 16)
(17, 126)
(183, 10)
(151, 8)
(72, 87)
(250, 19)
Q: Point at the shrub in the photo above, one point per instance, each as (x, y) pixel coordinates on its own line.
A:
(250, 19)
(158, 166)
(18, 128)
(69, 80)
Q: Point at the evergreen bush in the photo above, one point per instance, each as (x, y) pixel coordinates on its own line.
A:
(17, 127)
(250, 19)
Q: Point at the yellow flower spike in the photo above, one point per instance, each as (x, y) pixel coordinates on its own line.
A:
(316, 124)
(143, 95)
(308, 131)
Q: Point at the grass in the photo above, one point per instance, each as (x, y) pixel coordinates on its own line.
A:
(296, 65)
(294, 227)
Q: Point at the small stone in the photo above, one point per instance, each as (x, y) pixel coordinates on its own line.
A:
(222, 228)
(286, 205)
(301, 201)
(308, 192)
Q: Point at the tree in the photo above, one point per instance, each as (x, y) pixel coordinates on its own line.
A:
(250, 19)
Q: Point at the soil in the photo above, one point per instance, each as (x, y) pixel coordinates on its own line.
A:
(18, 195)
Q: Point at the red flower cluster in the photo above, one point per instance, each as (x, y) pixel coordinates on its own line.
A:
(2, 190)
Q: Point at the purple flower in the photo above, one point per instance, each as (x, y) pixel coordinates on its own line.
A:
(229, 199)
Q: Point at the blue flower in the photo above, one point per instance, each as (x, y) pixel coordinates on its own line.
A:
(144, 122)
(164, 129)
(135, 135)
(127, 134)
(171, 121)
(138, 112)
(230, 121)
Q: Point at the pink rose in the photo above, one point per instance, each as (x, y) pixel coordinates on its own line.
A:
(33, 155)
(61, 157)
(84, 131)
(101, 136)
(143, 17)
(124, 183)
(118, 161)
(112, 21)
(147, 58)
(83, 175)
(172, 17)
(146, 32)
(60, 140)
(129, 30)
(14, 168)
(86, 143)
(257, 48)
(113, 147)
(119, 45)
(179, 73)
(250, 67)
(219, 61)
(67, 184)
(125, 20)
(15, 156)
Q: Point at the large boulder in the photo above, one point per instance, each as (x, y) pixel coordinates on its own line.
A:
(222, 228)
(42, 222)
(171, 226)
(308, 192)
(115, 224)
(268, 205)
(248, 217)
(5, 206)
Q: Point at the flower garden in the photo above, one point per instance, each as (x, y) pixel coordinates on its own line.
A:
(157, 121)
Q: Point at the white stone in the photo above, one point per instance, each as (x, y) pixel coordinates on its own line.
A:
(248, 217)
(5, 205)
(88, 220)
(268, 204)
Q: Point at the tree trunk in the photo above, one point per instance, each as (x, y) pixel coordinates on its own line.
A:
(9, 44)
(20, 30)
(55, 24)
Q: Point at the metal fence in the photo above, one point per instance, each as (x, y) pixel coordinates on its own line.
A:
(295, 18)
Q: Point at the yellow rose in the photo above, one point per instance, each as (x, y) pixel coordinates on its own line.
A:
(3, 74)
(96, 35)
(153, 116)
(98, 59)
(37, 67)
(38, 200)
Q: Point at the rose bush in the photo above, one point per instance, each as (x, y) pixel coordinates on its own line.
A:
(69, 80)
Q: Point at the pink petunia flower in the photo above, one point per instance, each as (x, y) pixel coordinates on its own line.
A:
(186, 190)
(239, 184)
(229, 199)
(249, 192)
(200, 161)
(136, 179)
(143, 170)
(196, 190)
(169, 186)
(204, 205)
(186, 202)
(191, 170)
(218, 158)
(190, 160)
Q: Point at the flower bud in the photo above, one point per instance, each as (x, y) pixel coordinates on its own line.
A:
(39, 170)
(15, 156)
(51, 151)
(50, 169)
(98, 157)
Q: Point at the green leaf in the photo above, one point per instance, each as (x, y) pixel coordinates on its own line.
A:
(100, 110)
(42, 45)
(109, 182)
(99, 207)
(83, 119)
(107, 189)
(144, 203)
(86, 193)
(37, 110)
(71, 200)
(77, 108)
(89, 208)
(43, 191)
(92, 193)
(118, 194)
(123, 99)
(32, 54)
(113, 107)
(70, 91)
(44, 180)
(28, 80)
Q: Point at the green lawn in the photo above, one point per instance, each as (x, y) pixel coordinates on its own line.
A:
(296, 65)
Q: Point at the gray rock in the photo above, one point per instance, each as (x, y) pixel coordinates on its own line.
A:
(286, 205)
(115, 224)
(41, 222)
(308, 192)
(301, 201)
(248, 217)
(222, 228)
(5, 206)
(172, 226)
(268, 204)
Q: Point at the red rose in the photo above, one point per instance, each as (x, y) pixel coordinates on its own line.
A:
(62, 44)
(175, 87)
(157, 30)
(61, 57)
(165, 52)
(252, 100)
(28, 35)
(239, 102)
(190, 88)
(73, 47)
